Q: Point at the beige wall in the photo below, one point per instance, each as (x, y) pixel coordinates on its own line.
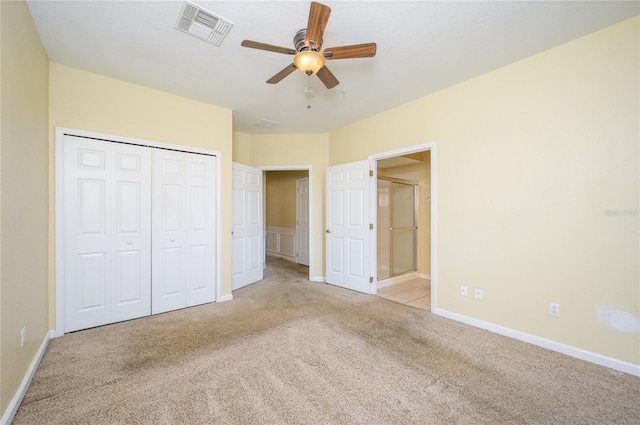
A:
(91, 102)
(529, 158)
(422, 172)
(242, 148)
(23, 194)
(294, 149)
(280, 198)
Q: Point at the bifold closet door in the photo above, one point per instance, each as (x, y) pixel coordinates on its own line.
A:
(107, 232)
(183, 222)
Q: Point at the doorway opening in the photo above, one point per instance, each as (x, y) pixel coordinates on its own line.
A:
(287, 214)
(403, 193)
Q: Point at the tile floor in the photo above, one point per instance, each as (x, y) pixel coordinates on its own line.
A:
(416, 293)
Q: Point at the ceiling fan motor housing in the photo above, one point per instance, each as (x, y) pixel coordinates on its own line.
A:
(301, 44)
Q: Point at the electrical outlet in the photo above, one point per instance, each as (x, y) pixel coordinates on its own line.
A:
(464, 290)
(554, 309)
(23, 333)
(477, 293)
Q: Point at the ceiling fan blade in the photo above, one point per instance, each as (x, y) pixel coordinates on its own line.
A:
(318, 18)
(267, 47)
(367, 50)
(328, 79)
(280, 75)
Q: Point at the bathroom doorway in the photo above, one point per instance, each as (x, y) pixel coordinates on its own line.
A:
(403, 228)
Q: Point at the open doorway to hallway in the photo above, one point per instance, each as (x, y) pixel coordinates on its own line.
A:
(403, 199)
(286, 218)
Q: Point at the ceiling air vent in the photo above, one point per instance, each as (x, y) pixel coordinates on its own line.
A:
(266, 123)
(203, 24)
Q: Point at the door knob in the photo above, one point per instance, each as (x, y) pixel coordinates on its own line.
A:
(129, 242)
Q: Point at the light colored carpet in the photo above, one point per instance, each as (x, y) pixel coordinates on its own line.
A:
(289, 351)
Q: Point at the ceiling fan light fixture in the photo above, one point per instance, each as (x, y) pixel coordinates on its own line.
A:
(309, 62)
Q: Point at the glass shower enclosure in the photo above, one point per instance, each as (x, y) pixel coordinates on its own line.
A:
(397, 227)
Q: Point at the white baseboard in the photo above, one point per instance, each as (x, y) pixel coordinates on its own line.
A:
(578, 353)
(9, 414)
(397, 279)
(424, 276)
(281, 255)
(320, 279)
(224, 298)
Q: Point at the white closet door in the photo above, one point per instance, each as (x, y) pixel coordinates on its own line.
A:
(201, 271)
(106, 232)
(169, 193)
(183, 217)
(130, 216)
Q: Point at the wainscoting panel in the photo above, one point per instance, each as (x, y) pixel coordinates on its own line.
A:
(281, 243)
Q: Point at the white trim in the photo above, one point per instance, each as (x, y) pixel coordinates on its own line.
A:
(9, 414)
(578, 353)
(373, 214)
(218, 200)
(430, 146)
(424, 276)
(309, 170)
(224, 298)
(320, 279)
(60, 132)
(59, 239)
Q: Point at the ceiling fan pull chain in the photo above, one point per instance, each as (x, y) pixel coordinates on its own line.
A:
(309, 93)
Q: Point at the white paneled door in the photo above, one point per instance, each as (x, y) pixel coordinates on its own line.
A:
(349, 226)
(247, 253)
(302, 221)
(107, 232)
(183, 220)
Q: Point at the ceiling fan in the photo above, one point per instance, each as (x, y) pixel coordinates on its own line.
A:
(309, 57)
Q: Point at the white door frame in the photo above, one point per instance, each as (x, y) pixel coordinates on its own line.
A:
(60, 132)
(307, 168)
(430, 146)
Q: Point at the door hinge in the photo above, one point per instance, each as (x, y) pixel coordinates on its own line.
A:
(370, 226)
(370, 279)
(370, 173)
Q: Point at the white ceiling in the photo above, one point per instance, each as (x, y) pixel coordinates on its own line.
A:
(423, 46)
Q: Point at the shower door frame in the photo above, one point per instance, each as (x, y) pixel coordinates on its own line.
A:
(415, 226)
